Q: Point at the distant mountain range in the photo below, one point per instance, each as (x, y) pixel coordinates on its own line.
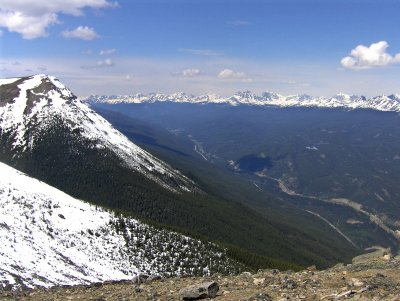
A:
(380, 103)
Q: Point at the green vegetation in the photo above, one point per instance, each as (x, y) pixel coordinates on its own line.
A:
(325, 153)
(75, 165)
(153, 249)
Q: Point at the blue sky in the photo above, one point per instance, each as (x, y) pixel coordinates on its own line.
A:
(107, 47)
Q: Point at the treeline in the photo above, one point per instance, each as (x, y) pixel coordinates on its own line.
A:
(75, 165)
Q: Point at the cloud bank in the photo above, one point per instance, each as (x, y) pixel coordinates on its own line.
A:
(363, 57)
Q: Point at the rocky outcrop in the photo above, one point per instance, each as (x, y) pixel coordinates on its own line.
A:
(143, 278)
(200, 291)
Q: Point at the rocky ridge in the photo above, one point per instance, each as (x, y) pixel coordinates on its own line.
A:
(373, 277)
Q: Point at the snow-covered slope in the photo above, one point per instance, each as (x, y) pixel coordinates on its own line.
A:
(380, 103)
(30, 105)
(49, 238)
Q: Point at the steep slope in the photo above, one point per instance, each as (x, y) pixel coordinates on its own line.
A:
(379, 103)
(31, 106)
(49, 238)
(50, 135)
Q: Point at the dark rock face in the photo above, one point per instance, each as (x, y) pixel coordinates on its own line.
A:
(200, 291)
(10, 91)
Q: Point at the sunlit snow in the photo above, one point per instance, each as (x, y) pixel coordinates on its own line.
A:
(49, 238)
(380, 103)
(16, 119)
(45, 238)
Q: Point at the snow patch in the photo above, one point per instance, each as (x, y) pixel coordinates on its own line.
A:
(45, 238)
(6, 81)
(49, 238)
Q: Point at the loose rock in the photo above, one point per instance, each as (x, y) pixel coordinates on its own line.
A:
(200, 291)
(258, 281)
(140, 278)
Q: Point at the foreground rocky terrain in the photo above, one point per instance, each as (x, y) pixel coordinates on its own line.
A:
(370, 277)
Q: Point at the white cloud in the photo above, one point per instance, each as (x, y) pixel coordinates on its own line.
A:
(31, 18)
(107, 51)
(81, 32)
(127, 77)
(203, 52)
(229, 73)
(100, 64)
(363, 57)
(191, 72)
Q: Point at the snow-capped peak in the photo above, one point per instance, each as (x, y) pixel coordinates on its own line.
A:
(341, 100)
(30, 105)
(269, 96)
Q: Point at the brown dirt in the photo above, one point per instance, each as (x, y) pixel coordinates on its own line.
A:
(375, 280)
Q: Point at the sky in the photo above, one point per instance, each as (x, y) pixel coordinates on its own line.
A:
(316, 47)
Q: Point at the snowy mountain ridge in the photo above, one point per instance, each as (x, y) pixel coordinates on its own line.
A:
(31, 105)
(379, 103)
(49, 238)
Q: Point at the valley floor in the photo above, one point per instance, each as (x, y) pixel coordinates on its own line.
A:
(367, 279)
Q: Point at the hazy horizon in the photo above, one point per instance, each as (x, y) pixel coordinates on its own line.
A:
(319, 48)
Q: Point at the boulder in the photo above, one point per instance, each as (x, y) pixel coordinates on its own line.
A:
(140, 278)
(200, 291)
(246, 274)
(355, 282)
(144, 278)
(258, 281)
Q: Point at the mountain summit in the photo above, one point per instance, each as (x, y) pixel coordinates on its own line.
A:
(34, 107)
